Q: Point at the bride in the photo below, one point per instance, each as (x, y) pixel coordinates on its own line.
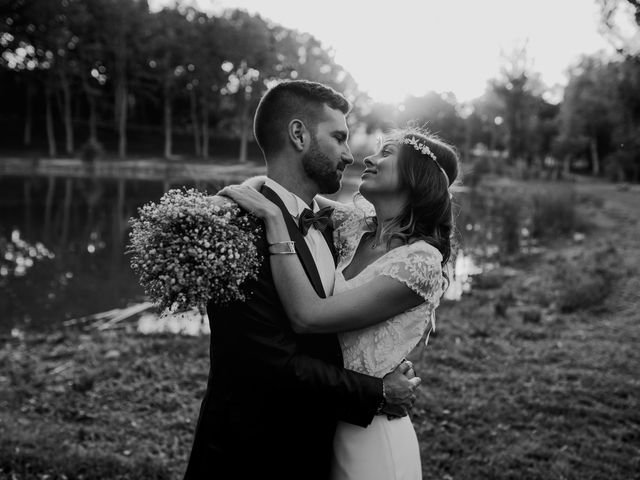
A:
(389, 280)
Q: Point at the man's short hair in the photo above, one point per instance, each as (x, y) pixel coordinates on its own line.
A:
(300, 99)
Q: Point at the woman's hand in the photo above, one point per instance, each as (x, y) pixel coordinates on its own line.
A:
(254, 202)
(251, 200)
(255, 182)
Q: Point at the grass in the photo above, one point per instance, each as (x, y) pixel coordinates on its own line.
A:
(100, 400)
(532, 377)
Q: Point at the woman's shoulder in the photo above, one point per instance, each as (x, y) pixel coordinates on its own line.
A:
(419, 250)
(419, 266)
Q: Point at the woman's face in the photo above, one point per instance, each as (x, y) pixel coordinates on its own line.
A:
(381, 177)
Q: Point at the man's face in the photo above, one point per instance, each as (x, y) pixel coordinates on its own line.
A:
(328, 153)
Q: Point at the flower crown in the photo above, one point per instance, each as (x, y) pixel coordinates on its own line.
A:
(425, 150)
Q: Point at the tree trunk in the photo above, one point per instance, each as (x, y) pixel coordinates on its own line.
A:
(66, 212)
(244, 130)
(194, 121)
(93, 117)
(121, 100)
(67, 114)
(122, 122)
(205, 128)
(595, 160)
(119, 222)
(27, 210)
(48, 206)
(167, 124)
(28, 116)
(51, 138)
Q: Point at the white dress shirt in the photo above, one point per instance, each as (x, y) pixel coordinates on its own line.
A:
(314, 238)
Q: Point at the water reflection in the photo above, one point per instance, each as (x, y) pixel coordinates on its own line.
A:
(18, 255)
(62, 247)
(460, 282)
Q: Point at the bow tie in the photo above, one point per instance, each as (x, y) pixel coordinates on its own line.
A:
(319, 220)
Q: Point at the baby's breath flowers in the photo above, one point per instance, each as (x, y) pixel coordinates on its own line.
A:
(191, 248)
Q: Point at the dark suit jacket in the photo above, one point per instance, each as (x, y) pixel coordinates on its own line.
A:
(274, 397)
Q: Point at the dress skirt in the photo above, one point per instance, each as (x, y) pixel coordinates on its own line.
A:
(385, 450)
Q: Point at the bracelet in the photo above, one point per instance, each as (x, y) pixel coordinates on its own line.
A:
(282, 248)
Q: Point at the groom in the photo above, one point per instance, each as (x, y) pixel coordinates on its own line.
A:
(274, 397)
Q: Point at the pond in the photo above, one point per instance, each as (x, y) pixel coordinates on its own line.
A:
(62, 243)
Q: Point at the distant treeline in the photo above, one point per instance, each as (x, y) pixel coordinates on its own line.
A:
(92, 77)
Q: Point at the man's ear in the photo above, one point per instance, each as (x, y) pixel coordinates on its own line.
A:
(298, 134)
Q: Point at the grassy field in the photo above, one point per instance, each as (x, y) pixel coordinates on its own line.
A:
(533, 375)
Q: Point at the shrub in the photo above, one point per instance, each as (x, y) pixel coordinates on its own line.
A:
(554, 213)
(586, 280)
(508, 215)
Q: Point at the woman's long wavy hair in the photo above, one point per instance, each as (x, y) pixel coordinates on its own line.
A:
(427, 214)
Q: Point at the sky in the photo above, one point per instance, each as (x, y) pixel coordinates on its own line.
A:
(409, 47)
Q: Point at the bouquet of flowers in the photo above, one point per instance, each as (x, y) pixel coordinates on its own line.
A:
(191, 248)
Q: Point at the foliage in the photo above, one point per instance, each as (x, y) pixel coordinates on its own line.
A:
(509, 215)
(554, 213)
(621, 38)
(114, 59)
(600, 114)
(184, 82)
(528, 118)
(586, 280)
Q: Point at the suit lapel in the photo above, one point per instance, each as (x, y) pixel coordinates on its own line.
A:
(328, 236)
(301, 245)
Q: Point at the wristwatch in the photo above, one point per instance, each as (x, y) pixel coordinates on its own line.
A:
(383, 402)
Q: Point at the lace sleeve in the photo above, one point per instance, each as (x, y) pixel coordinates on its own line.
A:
(418, 266)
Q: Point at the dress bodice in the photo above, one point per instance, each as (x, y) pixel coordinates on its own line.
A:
(378, 349)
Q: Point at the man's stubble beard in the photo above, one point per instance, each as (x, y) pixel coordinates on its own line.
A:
(319, 169)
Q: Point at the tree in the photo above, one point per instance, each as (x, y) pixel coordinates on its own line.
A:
(30, 49)
(86, 60)
(166, 59)
(124, 29)
(588, 111)
(437, 111)
(520, 90)
(613, 14)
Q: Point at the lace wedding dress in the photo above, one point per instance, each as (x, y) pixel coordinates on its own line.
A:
(386, 449)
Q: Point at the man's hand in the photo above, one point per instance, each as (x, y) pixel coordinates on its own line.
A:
(399, 388)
